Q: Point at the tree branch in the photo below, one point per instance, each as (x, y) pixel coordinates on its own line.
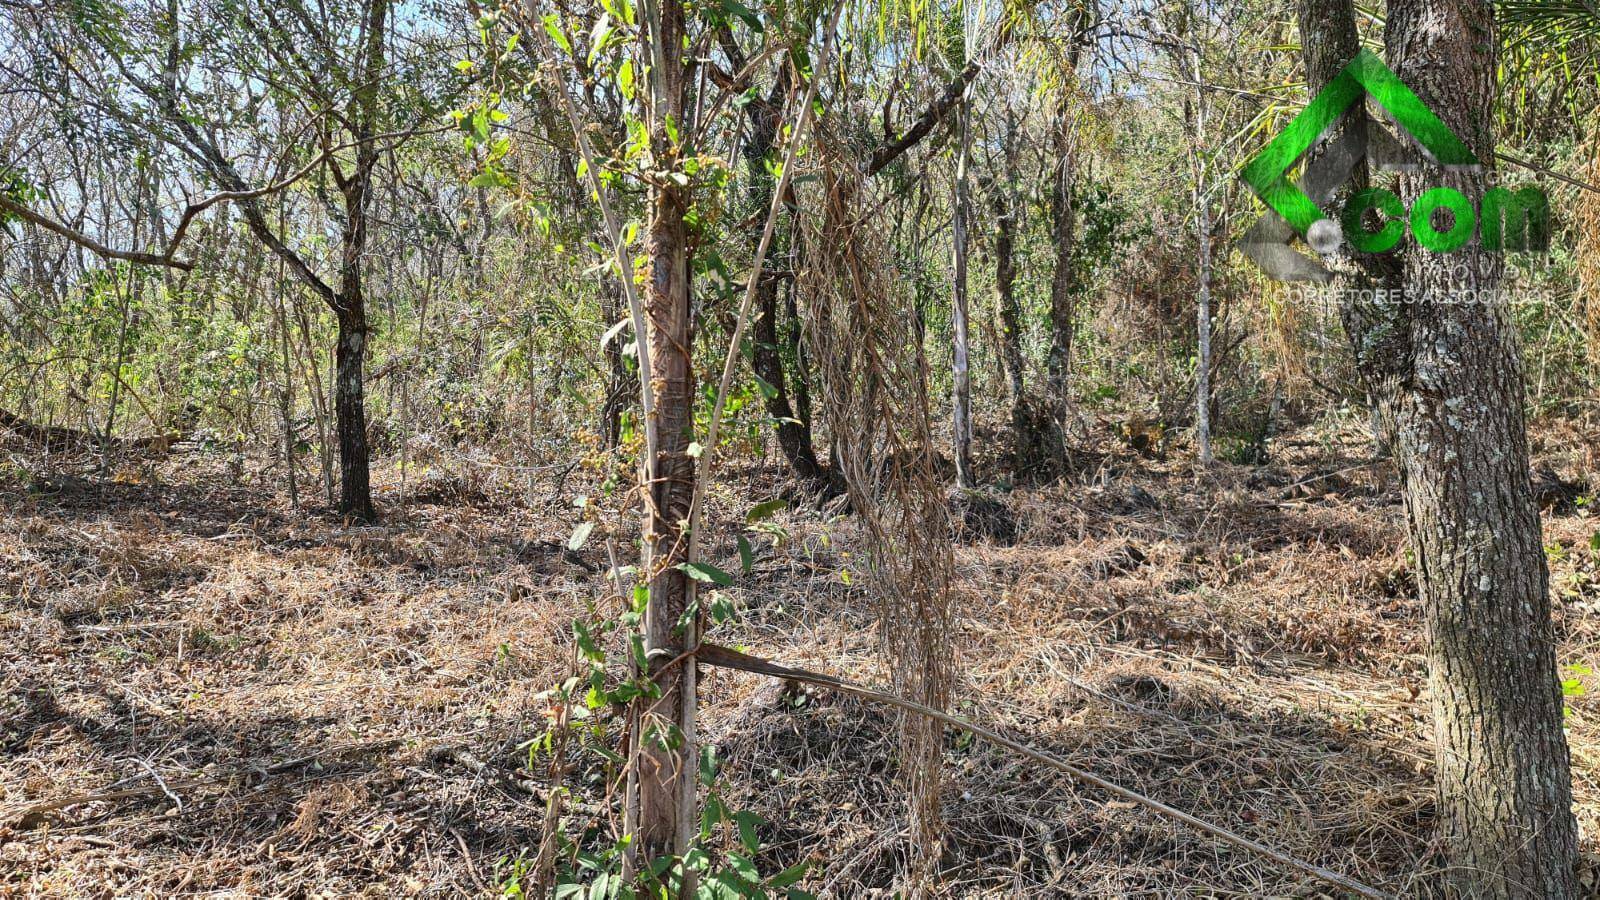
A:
(92, 245)
(933, 115)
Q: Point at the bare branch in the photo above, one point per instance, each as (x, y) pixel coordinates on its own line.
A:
(92, 245)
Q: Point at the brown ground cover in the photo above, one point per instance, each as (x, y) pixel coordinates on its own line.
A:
(270, 703)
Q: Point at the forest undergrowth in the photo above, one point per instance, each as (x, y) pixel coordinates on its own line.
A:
(203, 690)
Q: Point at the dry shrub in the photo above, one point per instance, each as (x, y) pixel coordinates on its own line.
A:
(862, 332)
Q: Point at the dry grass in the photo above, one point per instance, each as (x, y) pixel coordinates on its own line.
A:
(1246, 648)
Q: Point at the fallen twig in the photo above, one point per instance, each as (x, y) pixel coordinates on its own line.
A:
(32, 815)
(510, 783)
(723, 657)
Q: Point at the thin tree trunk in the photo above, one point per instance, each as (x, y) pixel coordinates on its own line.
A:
(1504, 785)
(1024, 439)
(1063, 282)
(286, 398)
(793, 431)
(1202, 215)
(349, 393)
(319, 401)
(962, 378)
(1588, 255)
(797, 349)
(620, 384)
(286, 391)
(666, 759)
(1005, 282)
(1329, 42)
(124, 310)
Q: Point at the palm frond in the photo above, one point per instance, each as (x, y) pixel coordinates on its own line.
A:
(1560, 21)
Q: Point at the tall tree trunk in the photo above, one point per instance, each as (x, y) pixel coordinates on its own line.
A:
(1004, 199)
(1373, 324)
(620, 384)
(319, 401)
(286, 399)
(961, 370)
(350, 414)
(349, 384)
(793, 431)
(1024, 438)
(1202, 216)
(802, 364)
(666, 766)
(1504, 786)
(1005, 286)
(350, 303)
(1063, 282)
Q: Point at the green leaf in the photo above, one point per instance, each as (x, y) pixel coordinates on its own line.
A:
(747, 830)
(580, 535)
(625, 79)
(489, 178)
(720, 886)
(706, 572)
(744, 867)
(747, 557)
(791, 875)
(708, 765)
(599, 35)
(1594, 542)
(744, 14)
(586, 642)
(552, 26)
(765, 510)
(766, 388)
(711, 813)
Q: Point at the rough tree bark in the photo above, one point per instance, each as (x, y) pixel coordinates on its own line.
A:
(666, 768)
(350, 410)
(1064, 285)
(1005, 287)
(349, 303)
(1446, 380)
(1447, 384)
(1504, 786)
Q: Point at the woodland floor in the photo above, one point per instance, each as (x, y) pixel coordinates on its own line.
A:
(335, 711)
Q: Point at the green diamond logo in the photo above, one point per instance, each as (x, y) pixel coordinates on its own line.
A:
(1366, 75)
